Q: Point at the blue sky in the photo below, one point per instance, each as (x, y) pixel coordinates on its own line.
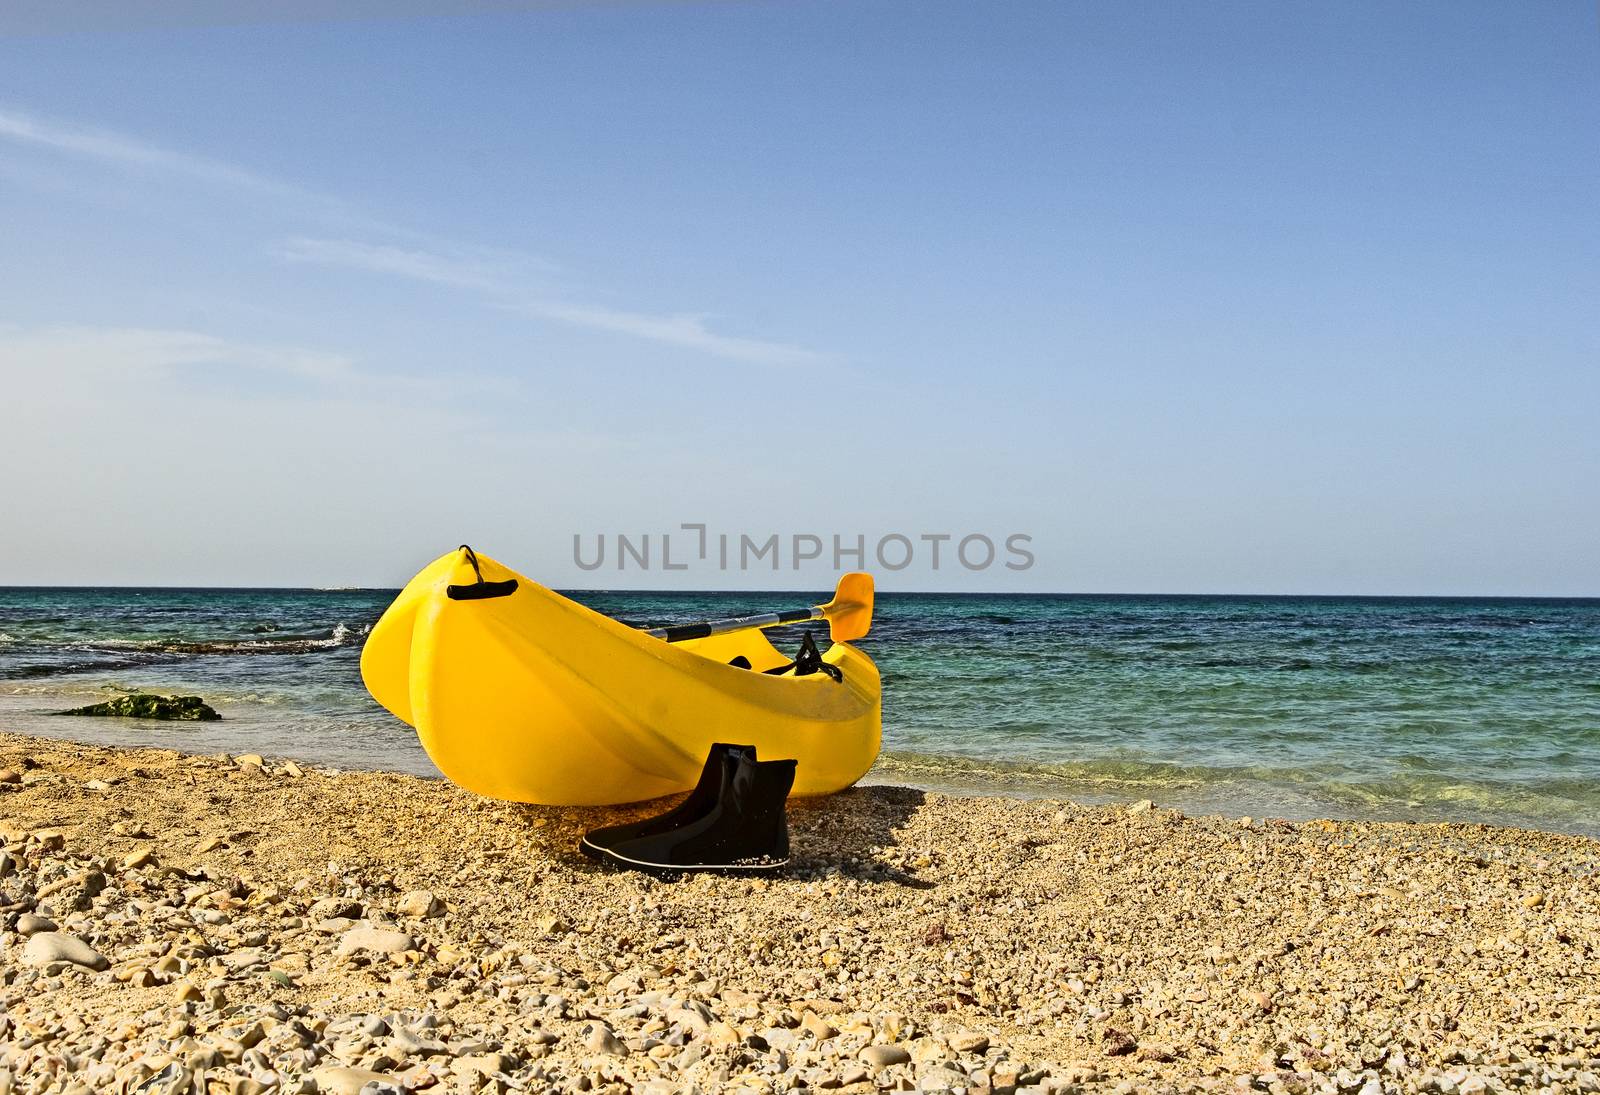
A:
(1236, 297)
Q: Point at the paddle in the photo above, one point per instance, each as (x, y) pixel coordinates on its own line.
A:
(849, 615)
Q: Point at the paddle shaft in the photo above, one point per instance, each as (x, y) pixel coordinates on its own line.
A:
(679, 632)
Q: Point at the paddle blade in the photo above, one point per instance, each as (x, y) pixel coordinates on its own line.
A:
(849, 614)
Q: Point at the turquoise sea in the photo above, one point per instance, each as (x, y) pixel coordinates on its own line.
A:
(1395, 708)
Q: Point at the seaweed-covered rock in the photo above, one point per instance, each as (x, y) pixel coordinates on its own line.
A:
(142, 706)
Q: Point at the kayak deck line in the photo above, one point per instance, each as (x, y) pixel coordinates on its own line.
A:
(706, 628)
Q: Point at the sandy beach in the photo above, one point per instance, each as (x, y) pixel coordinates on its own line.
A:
(178, 923)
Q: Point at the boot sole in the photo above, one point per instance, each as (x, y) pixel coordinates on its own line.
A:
(608, 855)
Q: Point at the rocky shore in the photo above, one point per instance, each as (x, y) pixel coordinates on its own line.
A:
(173, 923)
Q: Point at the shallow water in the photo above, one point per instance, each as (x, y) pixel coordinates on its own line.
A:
(1401, 708)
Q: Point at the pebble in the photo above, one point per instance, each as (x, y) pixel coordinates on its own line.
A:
(345, 1080)
(488, 1064)
(1117, 1044)
(365, 937)
(818, 1027)
(882, 1056)
(334, 908)
(142, 856)
(32, 924)
(419, 904)
(55, 946)
(968, 1041)
(941, 1078)
(602, 1040)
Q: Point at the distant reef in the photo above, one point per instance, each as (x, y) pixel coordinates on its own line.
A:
(142, 706)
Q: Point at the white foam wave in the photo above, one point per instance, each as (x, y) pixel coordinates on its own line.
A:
(342, 634)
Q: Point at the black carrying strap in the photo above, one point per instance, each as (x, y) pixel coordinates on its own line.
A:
(479, 590)
(809, 661)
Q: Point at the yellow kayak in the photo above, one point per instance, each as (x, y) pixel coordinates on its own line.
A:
(519, 693)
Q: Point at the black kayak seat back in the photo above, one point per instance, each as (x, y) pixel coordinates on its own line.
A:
(805, 663)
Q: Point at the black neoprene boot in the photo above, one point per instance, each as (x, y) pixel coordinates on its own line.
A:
(699, 800)
(746, 829)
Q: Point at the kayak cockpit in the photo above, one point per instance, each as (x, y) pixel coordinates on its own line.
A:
(751, 645)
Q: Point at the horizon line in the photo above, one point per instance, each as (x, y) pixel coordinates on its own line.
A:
(880, 593)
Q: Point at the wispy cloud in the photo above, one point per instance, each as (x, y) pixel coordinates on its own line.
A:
(502, 281)
(174, 374)
(90, 358)
(125, 151)
(685, 330)
(147, 350)
(455, 271)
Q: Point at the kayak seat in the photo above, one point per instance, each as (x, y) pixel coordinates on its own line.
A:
(739, 661)
(809, 661)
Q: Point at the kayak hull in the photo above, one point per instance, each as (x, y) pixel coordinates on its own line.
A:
(531, 697)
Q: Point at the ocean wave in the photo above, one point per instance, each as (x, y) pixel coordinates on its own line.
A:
(1328, 789)
(79, 665)
(217, 697)
(59, 689)
(1020, 773)
(342, 634)
(106, 655)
